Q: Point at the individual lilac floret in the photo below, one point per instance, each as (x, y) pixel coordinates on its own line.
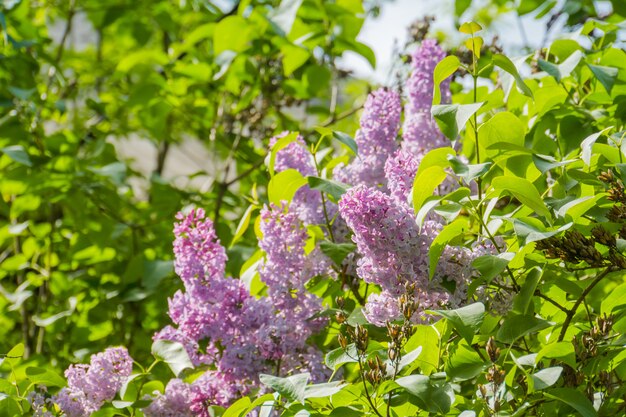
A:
(89, 386)
(376, 140)
(176, 401)
(420, 84)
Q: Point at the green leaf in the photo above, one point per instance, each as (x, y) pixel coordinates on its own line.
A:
(449, 232)
(474, 44)
(587, 144)
(464, 363)
(232, 34)
(409, 358)
(18, 154)
(323, 390)
(243, 224)
(491, 266)
(172, 353)
(546, 377)
(425, 184)
(43, 376)
(606, 75)
(466, 320)
(470, 28)
(292, 388)
(522, 300)
(516, 326)
(615, 300)
(564, 69)
(451, 118)
(330, 187)
(239, 408)
(443, 70)
(468, 172)
(346, 140)
(337, 252)
(563, 351)
(574, 399)
(436, 157)
(340, 356)
(293, 57)
(523, 190)
(507, 65)
(14, 356)
(435, 398)
(460, 6)
(284, 185)
(504, 129)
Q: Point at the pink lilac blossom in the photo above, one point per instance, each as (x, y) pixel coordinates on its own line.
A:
(243, 335)
(376, 140)
(306, 203)
(394, 251)
(420, 84)
(40, 403)
(89, 386)
(174, 402)
(420, 132)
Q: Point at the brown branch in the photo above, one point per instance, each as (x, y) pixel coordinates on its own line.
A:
(572, 311)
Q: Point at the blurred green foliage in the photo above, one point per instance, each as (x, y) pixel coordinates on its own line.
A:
(85, 234)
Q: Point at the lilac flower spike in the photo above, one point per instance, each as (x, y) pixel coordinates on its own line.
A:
(89, 386)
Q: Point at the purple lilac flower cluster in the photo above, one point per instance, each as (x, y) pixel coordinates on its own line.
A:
(89, 386)
(376, 140)
(244, 336)
(392, 248)
(420, 133)
(306, 203)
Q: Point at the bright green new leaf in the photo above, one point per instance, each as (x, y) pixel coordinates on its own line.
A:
(443, 70)
(425, 184)
(283, 186)
(470, 28)
(523, 190)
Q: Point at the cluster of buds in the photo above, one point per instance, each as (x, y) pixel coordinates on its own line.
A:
(616, 191)
(616, 187)
(586, 346)
(376, 374)
(572, 247)
(408, 303)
